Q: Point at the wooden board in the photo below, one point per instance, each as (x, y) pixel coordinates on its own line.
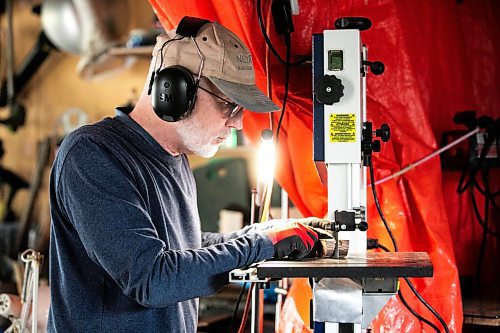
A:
(374, 264)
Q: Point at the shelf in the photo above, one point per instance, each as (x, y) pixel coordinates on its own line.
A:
(132, 51)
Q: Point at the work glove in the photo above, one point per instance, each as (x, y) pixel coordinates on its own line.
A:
(322, 245)
(319, 225)
(325, 245)
(316, 222)
(291, 239)
(313, 222)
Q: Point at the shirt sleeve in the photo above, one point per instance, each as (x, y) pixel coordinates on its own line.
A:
(98, 193)
(212, 238)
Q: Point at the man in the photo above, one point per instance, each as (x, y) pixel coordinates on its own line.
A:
(126, 250)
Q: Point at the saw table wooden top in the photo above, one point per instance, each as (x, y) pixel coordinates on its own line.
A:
(373, 265)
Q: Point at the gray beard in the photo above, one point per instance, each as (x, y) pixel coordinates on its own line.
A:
(195, 139)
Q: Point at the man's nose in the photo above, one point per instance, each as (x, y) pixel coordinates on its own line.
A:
(236, 121)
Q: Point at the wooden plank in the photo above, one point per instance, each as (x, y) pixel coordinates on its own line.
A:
(145, 51)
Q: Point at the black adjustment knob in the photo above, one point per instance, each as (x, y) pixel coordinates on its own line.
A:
(376, 146)
(360, 23)
(328, 89)
(376, 67)
(362, 226)
(384, 132)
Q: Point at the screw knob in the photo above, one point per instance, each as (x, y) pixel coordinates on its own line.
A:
(328, 89)
(384, 132)
(362, 226)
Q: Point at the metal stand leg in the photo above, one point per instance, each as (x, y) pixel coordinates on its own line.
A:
(257, 325)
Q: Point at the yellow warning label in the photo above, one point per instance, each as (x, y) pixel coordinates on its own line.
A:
(343, 127)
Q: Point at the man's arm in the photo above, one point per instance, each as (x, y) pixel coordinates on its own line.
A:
(318, 224)
(212, 238)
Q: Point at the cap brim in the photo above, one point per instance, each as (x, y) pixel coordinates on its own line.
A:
(248, 96)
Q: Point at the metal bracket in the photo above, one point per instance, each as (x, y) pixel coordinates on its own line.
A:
(246, 275)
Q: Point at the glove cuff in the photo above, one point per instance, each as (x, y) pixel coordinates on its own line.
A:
(272, 236)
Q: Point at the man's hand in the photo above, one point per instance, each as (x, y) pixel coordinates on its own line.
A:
(313, 222)
(291, 239)
(316, 222)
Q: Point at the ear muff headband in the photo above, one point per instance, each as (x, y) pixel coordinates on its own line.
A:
(174, 88)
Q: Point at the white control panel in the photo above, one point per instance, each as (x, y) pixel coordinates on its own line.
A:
(343, 123)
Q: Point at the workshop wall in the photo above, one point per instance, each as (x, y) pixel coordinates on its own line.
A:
(55, 88)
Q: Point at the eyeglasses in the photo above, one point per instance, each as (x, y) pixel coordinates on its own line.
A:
(235, 108)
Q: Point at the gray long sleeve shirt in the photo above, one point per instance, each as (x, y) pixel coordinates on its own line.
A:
(126, 250)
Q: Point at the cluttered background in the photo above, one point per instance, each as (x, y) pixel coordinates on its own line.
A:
(440, 82)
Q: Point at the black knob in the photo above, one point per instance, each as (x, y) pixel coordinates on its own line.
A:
(376, 67)
(360, 23)
(362, 226)
(384, 132)
(467, 118)
(376, 146)
(328, 89)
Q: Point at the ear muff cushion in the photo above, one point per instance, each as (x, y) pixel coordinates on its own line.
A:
(173, 93)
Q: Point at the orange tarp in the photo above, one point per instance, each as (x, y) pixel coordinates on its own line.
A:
(430, 75)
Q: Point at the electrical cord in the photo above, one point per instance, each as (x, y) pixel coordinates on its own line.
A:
(288, 43)
(485, 193)
(236, 307)
(400, 294)
(246, 309)
(287, 81)
(403, 300)
(372, 243)
(383, 247)
(472, 184)
(377, 203)
(382, 216)
(492, 134)
(427, 305)
(268, 41)
(485, 178)
(480, 220)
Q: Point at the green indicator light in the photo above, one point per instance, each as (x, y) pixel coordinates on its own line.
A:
(335, 60)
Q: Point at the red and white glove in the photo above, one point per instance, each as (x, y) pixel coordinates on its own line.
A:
(291, 239)
(316, 223)
(313, 222)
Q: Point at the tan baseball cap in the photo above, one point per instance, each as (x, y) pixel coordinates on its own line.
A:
(228, 65)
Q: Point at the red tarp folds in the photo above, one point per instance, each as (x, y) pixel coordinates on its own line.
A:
(441, 57)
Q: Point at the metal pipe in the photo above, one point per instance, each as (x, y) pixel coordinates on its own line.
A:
(426, 158)
(253, 206)
(34, 307)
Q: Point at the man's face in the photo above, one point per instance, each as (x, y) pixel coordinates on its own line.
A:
(210, 123)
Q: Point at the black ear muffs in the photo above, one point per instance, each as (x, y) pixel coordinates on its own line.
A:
(173, 93)
(174, 88)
